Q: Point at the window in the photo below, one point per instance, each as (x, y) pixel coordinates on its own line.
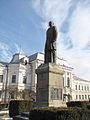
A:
(13, 78)
(75, 87)
(25, 62)
(0, 94)
(85, 96)
(88, 96)
(12, 96)
(76, 96)
(1, 78)
(67, 73)
(82, 96)
(79, 87)
(82, 87)
(79, 96)
(68, 82)
(63, 81)
(88, 88)
(85, 87)
(24, 79)
(23, 95)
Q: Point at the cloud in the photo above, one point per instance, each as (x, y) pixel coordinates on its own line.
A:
(79, 30)
(72, 18)
(52, 9)
(78, 59)
(6, 51)
(18, 49)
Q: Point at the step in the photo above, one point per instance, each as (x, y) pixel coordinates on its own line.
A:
(19, 117)
(25, 114)
(6, 118)
(4, 112)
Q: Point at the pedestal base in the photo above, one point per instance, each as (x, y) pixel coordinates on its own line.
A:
(50, 86)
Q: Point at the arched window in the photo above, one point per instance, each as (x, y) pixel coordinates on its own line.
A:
(75, 87)
(68, 82)
(88, 96)
(88, 88)
(85, 87)
(82, 87)
(82, 96)
(85, 96)
(24, 79)
(79, 96)
(76, 96)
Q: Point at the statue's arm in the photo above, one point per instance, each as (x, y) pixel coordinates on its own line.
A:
(54, 33)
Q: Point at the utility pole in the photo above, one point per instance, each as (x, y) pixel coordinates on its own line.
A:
(6, 83)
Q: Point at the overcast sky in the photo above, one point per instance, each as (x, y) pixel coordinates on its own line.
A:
(23, 24)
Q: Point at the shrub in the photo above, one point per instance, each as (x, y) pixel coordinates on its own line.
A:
(82, 104)
(60, 114)
(18, 106)
(84, 114)
(3, 105)
(88, 106)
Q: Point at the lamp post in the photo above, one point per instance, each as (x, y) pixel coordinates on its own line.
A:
(6, 83)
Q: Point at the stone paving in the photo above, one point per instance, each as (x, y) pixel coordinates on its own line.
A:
(5, 112)
(6, 118)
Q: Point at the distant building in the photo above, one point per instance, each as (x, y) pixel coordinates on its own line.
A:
(18, 79)
(3, 75)
(80, 89)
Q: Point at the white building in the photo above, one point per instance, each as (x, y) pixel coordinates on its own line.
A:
(80, 89)
(19, 76)
(3, 75)
(15, 77)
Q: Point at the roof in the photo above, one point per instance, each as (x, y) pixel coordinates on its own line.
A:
(80, 79)
(4, 63)
(35, 56)
(18, 58)
(40, 56)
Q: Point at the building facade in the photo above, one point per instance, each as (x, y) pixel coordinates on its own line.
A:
(80, 89)
(18, 79)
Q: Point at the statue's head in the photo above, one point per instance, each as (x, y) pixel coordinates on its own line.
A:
(51, 23)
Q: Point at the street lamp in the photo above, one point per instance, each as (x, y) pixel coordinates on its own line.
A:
(6, 83)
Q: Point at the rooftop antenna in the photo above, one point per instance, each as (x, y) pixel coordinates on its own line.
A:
(20, 50)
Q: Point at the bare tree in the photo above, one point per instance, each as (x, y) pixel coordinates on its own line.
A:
(29, 95)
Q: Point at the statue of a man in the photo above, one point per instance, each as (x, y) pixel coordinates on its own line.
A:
(50, 46)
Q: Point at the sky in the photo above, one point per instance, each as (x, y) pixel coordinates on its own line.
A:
(23, 25)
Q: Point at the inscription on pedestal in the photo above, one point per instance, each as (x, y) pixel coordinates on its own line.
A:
(56, 94)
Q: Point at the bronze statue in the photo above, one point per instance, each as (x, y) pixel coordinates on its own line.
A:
(50, 46)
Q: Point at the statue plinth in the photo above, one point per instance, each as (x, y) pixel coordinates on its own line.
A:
(50, 85)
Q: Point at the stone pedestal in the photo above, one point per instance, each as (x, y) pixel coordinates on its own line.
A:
(50, 86)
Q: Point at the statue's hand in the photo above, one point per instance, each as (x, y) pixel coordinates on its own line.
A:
(53, 46)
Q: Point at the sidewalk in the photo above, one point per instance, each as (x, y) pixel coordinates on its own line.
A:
(5, 112)
(6, 118)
